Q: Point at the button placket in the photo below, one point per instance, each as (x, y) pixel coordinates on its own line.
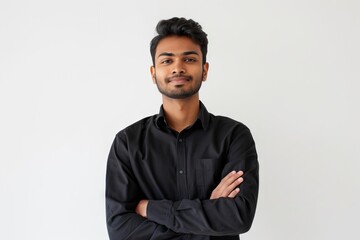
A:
(182, 181)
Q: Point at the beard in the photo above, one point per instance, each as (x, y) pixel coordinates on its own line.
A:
(180, 92)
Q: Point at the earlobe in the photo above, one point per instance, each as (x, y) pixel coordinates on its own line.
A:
(152, 72)
(204, 76)
(205, 71)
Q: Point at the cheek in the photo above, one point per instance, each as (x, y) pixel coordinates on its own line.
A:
(159, 74)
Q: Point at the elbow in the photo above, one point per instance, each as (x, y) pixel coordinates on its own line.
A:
(245, 227)
(238, 222)
(246, 216)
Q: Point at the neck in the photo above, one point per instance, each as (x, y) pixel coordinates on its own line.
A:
(181, 113)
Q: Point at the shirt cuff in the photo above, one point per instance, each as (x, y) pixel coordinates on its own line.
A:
(159, 211)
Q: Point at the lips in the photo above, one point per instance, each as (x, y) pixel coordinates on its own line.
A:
(179, 79)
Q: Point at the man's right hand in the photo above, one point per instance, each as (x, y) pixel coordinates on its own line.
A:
(228, 187)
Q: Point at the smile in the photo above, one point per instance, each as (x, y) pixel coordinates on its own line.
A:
(179, 79)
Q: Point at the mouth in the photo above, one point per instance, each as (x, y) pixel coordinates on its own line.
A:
(179, 79)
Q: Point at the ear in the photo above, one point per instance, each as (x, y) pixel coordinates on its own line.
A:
(152, 72)
(205, 71)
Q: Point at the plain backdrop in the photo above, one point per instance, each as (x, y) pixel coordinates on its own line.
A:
(75, 72)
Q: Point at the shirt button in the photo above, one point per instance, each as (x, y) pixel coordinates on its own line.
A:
(181, 171)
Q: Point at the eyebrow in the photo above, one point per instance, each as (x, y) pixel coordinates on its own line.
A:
(183, 54)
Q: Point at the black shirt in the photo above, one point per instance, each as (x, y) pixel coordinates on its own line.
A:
(177, 172)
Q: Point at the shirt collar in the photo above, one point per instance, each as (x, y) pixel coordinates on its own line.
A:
(203, 117)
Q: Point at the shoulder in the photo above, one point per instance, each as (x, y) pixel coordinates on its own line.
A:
(235, 133)
(136, 128)
(224, 122)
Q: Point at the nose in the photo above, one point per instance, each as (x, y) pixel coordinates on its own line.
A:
(179, 67)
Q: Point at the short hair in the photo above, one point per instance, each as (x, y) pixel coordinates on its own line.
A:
(179, 27)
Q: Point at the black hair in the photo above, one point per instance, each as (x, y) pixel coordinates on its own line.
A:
(180, 27)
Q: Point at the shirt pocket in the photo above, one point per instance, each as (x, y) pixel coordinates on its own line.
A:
(208, 176)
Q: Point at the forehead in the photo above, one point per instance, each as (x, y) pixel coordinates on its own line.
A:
(177, 45)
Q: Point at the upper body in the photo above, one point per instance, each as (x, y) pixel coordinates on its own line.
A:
(183, 173)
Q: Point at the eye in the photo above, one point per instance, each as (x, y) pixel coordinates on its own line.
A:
(189, 60)
(166, 61)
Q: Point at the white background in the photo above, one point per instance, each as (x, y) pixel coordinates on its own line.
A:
(75, 72)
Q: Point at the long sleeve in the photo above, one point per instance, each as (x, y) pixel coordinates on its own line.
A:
(122, 196)
(218, 217)
(177, 173)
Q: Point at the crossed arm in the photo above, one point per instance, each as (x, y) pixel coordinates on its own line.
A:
(229, 211)
(228, 187)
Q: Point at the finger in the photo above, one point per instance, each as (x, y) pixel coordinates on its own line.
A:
(229, 179)
(227, 185)
(226, 188)
(233, 173)
(226, 191)
(232, 176)
(234, 193)
(228, 176)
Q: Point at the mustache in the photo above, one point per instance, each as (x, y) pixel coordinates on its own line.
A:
(187, 77)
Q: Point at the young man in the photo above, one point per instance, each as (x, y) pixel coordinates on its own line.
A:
(183, 173)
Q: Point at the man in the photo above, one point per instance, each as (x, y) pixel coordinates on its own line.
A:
(183, 173)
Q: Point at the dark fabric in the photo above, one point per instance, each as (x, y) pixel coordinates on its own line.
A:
(177, 172)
